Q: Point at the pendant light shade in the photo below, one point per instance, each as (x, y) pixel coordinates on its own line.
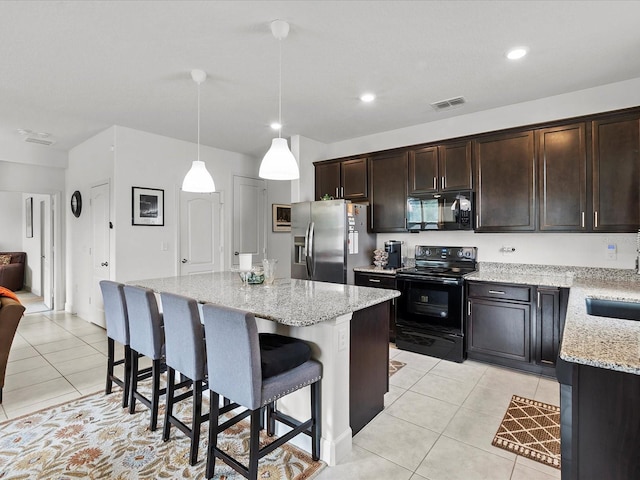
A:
(198, 179)
(279, 163)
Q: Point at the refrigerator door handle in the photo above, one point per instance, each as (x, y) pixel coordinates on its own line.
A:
(306, 249)
(310, 260)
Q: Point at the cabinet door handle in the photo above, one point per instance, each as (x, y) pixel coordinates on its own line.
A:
(435, 183)
(373, 280)
(341, 192)
(582, 220)
(595, 223)
(497, 292)
(469, 308)
(477, 220)
(337, 192)
(442, 183)
(538, 301)
(405, 223)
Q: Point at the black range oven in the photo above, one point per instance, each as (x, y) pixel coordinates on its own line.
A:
(430, 317)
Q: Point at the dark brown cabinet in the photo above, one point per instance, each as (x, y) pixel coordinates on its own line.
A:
(380, 280)
(342, 179)
(388, 192)
(505, 179)
(616, 174)
(440, 168)
(548, 326)
(518, 326)
(499, 323)
(562, 178)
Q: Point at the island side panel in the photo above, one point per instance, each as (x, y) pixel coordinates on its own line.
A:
(329, 342)
(369, 364)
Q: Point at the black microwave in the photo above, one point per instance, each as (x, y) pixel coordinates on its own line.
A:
(440, 211)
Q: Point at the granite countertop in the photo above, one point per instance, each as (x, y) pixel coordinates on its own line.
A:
(288, 301)
(603, 342)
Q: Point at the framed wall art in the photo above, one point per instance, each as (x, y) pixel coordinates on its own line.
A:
(147, 206)
(281, 217)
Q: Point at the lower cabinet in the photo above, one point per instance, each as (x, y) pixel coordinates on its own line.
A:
(381, 280)
(517, 326)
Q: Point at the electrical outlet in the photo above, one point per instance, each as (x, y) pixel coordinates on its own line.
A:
(612, 251)
(342, 339)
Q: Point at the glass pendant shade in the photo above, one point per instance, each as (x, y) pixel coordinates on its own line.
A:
(279, 163)
(198, 179)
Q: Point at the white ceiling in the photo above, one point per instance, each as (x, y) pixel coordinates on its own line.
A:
(74, 68)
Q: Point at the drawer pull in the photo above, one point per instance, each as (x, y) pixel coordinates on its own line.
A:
(497, 292)
(374, 280)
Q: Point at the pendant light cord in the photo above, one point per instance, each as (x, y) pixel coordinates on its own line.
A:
(280, 89)
(198, 121)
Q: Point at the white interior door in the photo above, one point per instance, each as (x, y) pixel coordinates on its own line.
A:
(100, 202)
(249, 218)
(46, 253)
(200, 233)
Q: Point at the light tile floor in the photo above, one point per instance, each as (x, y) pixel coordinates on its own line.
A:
(438, 422)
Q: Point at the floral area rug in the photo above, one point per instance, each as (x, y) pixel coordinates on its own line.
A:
(531, 429)
(395, 366)
(94, 438)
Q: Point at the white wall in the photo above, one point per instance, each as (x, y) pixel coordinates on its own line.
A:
(538, 248)
(11, 211)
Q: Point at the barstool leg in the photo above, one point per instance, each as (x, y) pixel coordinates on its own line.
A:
(316, 427)
(271, 421)
(110, 360)
(254, 444)
(213, 433)
(171, 381)
(155, 394)
(197, 420)
(127, 376)
(134, 381)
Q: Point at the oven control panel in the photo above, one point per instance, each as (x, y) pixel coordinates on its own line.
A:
(446, 253)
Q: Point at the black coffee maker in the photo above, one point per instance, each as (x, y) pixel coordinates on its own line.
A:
(394, 249)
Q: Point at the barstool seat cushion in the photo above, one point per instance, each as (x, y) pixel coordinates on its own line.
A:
(285, 383)
(279, 353)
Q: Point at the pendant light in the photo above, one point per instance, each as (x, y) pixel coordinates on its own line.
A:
(279, 163)
(198, 179)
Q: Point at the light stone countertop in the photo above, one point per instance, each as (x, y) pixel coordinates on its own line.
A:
(288, 301)
(603, 342)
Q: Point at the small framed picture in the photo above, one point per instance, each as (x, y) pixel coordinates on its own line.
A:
(281, 217)
(147, 206)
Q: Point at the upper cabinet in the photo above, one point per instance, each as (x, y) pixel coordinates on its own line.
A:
(440, 168)
(388, 192)
(562, 178)
(342, 179)
(616, 174)
(505, 180)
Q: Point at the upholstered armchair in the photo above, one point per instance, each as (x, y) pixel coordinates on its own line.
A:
(12, 273)
(10, 315)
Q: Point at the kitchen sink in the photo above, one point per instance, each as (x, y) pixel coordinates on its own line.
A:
(613, 308)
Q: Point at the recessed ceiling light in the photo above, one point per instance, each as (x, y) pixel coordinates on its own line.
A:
(276, 126)
(367, 97)
(516, 53)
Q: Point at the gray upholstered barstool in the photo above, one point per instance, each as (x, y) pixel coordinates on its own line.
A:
(115, 312)
(185, 353)
(147, 338)
(237, 371)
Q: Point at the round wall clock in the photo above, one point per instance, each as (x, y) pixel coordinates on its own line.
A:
(76, 203)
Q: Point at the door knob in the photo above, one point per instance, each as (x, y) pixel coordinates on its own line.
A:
(104, 264)
(236, 253)
(184, 260)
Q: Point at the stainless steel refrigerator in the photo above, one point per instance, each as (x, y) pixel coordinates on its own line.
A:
(330, 238)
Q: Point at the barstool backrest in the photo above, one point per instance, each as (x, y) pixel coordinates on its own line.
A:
(145, 322)
(184, 338)
(233, 355)
(115, 311)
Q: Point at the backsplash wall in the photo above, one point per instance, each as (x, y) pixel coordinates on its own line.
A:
(575, 249)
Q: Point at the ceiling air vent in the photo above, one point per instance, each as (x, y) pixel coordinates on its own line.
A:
(448, 103)
(39, 140)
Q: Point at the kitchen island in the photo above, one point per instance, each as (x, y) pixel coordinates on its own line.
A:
(345, 325)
